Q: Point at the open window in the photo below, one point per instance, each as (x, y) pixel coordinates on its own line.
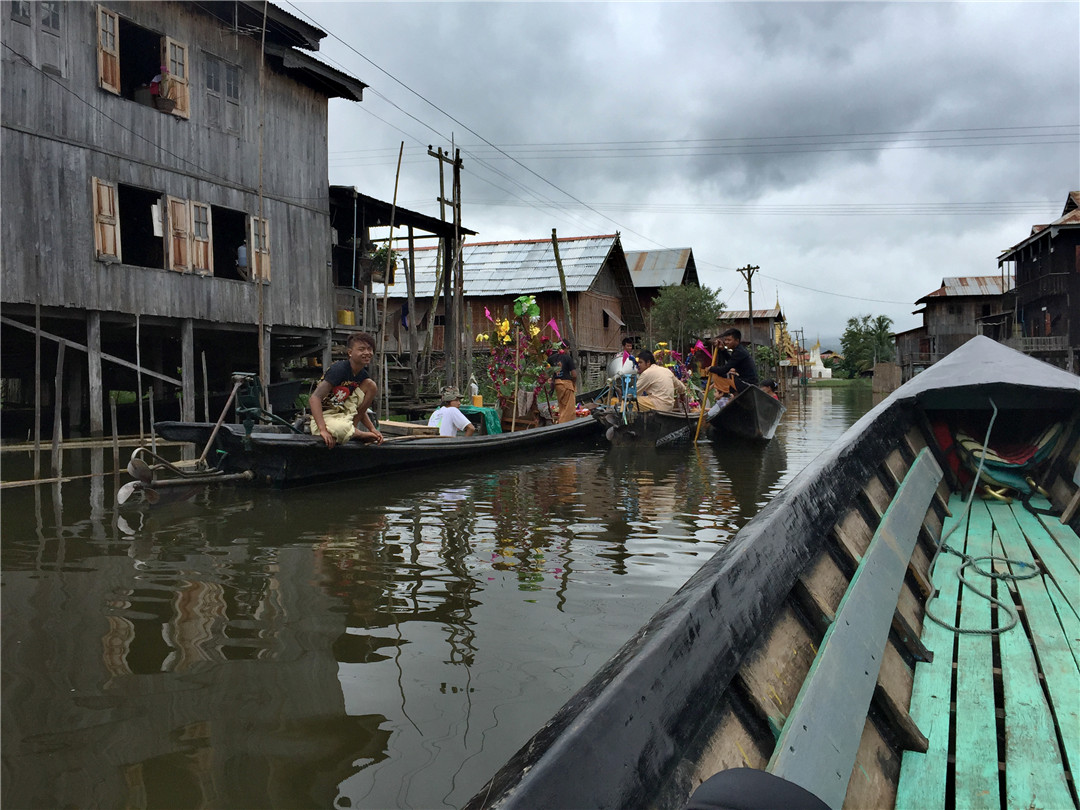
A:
(229, 234)
(139, 212)
(142, 65)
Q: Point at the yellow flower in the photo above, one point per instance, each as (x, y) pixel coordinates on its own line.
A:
(481, 338)
(534, 330)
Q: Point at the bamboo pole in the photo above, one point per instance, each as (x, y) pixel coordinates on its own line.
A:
(153, 434)
(386, 285)
(571, 339)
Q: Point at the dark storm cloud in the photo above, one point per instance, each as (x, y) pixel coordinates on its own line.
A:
(654, 114)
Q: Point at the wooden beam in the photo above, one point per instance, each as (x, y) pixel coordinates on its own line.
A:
(72, 344)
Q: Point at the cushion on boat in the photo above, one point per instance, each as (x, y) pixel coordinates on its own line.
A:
(751, 789)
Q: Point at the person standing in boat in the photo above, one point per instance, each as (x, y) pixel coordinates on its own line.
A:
(565, 383)
(339, 404)
(657, 387)
(448, 417)
(739, 366)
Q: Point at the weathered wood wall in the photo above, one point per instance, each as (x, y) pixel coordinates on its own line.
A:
(60, 131)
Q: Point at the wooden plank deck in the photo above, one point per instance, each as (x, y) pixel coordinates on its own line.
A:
(1002, 712)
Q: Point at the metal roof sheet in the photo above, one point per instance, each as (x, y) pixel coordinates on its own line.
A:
(966, 285)
(658, 268)
(1070, 217)
(509, 268)
(744, 314)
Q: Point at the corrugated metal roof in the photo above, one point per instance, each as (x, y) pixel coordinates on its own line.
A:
(658, 268)
(514, 268)
(744, 314)
(1070, 217)
(966, 285)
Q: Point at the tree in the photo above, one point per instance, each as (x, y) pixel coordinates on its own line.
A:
(866, 341)
(681, 314)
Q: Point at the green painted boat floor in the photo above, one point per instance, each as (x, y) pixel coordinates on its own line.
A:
(1001, 711)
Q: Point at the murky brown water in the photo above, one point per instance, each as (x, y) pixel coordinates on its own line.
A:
(381, 643)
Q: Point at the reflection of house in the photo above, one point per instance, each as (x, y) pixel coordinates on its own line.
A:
(603, 305)
(125, 206)
(952, 315)
(652, 270)
(1045, 316)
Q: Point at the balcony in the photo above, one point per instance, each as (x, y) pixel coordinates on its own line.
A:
(1038, 345)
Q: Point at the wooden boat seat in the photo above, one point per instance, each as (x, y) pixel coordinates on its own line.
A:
(1000, 712)
(820, 738)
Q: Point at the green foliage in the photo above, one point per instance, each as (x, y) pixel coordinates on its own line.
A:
(866, 341)
(681, 314)
(768, 361)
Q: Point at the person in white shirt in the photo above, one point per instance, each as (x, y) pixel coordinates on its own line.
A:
(448, 418)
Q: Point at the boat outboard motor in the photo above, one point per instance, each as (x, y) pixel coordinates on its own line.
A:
(751, 789)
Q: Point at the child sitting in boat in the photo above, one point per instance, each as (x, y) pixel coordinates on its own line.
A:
(448, 418)
(339, 403)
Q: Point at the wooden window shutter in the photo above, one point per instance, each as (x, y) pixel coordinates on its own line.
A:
(259, 254)
(106, 221)
(202, 239)
(179, 231)
(108, 50)
(175, 58)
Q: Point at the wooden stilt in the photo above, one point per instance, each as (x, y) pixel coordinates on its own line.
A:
(138, 377)
(153, 436)
(37, 390)
(115, 435)
(93, 363)
(58, 426)
(187, 370)
(205, 391)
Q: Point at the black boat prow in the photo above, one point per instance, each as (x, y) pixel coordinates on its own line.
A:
(751, 413)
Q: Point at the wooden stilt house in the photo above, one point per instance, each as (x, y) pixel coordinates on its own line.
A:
(165, 209)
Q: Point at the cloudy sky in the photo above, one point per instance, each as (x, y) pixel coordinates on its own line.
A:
(856, 152)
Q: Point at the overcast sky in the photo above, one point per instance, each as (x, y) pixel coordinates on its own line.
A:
(856, 152)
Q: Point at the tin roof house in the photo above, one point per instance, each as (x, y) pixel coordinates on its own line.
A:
(165, 206)
(961, 308)
(603, 303)
(652, 270)
(1045, 302)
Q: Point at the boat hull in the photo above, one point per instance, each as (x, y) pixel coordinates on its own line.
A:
(282, 459)
(654, 428)
(710, 681)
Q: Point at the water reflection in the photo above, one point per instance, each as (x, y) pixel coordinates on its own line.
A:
(376, 644)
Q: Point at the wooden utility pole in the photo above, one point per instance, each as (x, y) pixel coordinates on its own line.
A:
(453, 281)
(748, 274)
(570, 338)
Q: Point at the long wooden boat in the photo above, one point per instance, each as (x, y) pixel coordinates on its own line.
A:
(801, 666)
(276, 456)
(751, 413)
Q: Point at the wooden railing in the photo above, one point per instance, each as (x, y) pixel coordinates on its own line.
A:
(1028, 345)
